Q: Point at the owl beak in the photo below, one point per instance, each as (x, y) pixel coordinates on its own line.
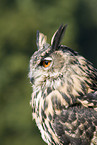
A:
(32, 80)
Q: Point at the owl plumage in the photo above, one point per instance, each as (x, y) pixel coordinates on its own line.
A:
(64, 98)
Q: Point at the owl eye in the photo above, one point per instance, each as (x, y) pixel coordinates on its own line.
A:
(46, 63)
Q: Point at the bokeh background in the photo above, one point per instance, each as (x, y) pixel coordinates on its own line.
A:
(19, 21)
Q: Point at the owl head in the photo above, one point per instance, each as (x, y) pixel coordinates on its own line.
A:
(55, 64)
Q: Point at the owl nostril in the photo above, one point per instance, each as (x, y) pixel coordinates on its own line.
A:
(32, 80)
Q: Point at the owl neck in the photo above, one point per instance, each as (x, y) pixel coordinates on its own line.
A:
(69, 88)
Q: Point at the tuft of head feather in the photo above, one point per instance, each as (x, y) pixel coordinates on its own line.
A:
(41, 40)
(57, 37)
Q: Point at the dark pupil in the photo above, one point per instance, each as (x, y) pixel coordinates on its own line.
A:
(46, 62)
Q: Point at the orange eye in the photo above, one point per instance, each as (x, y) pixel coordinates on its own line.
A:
(46, 63)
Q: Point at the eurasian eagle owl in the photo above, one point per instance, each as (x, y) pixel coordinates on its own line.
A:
(64, 98)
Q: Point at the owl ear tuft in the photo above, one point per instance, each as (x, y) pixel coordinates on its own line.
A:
(41, 40)
(56, 39)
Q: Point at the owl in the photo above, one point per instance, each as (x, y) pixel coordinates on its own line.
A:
(64, 97)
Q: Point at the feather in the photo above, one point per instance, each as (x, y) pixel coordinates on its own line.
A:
(56, 39)
(41, 40)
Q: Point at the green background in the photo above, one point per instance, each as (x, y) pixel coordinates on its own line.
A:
(19, 21)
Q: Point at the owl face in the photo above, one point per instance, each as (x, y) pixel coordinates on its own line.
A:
(46, 66)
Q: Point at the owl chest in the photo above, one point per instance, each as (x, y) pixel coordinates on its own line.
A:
(42, 113)
(39, 116)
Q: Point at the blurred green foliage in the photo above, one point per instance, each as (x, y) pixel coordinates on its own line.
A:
(19, 21)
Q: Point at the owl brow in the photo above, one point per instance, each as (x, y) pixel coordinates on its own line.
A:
(48, 58)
